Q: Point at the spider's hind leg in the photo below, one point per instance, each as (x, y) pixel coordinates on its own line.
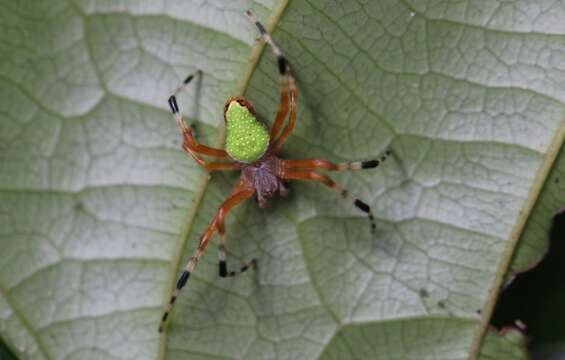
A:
(220, 225)
(239, 195)
(223, 264)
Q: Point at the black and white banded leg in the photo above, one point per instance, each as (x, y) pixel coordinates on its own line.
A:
(281, 59)
(287, 82)
(181, 282)
(307, 164)
(223, 265)
(240, 194)
(326, 180)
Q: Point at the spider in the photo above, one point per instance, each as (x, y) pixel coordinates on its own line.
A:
(252, 148)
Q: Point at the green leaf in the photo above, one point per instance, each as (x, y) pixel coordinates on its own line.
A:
(536, 296)
(509, 344)
(99, 207)
(534, 241)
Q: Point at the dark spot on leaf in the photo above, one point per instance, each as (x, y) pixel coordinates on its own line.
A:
(424, 293)
(441, 304)
(79, 206)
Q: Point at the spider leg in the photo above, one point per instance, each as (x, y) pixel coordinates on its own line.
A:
(291, 118)
(287, 80)
(210, 166)
(222, 262)
(190, 144)
(239, 195)
(326, 180)
(283, 108)
(220, 225)
(308, 164)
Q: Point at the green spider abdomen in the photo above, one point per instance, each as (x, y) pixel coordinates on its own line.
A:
(246, 137)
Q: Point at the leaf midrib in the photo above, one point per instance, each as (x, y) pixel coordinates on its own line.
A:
(241, 87)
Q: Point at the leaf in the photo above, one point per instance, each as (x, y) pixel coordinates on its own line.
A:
(535, 297)
(5, 353)
(534, 241)
(96, 199)
(508, 344)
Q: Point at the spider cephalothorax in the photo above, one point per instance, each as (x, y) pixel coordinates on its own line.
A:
(252, 148)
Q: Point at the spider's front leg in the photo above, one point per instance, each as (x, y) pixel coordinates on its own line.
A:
(287, 81)
(239, 195)
(190, 144)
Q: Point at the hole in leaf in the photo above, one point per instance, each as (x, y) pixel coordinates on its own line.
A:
(536, 298)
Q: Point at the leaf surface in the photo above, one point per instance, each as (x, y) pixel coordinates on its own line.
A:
(534, 241)
(508, 344)
(99, 208)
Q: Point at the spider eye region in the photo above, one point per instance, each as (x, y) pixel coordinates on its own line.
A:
(246, 138)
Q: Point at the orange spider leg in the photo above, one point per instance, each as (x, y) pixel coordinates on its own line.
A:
(239, 195)
(283, 108)
(326, 180)
(292, 117)
(189, 140)
(210, 166)
(306, 164)
(284, 70)
(190, 144)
